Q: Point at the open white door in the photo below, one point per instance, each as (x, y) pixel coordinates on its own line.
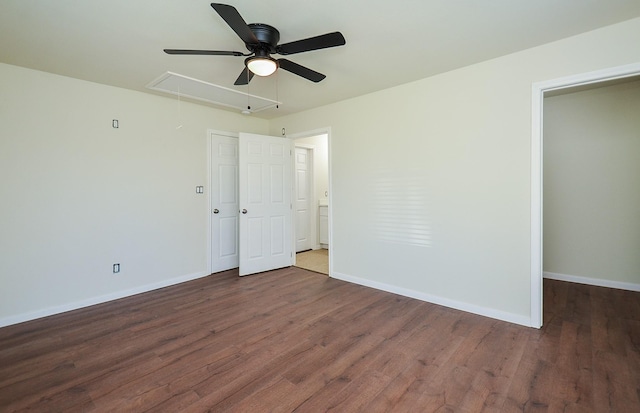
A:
(303, 203)
(265, 203)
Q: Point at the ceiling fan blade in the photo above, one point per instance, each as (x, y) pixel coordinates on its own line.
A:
(312, 43)
(244, 78)
(236, 22)
(299, 70)
(203, 52)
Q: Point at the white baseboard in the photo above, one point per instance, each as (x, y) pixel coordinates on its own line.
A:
(20, 318)
(592, 281)
(458, 305)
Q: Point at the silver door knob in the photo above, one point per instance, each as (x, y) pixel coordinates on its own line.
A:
(244, 211)
(215, 211)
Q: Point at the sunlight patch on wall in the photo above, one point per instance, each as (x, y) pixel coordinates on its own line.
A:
(399, 210)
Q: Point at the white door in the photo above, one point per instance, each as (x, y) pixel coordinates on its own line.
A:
(224, 203)
(265, 203)
(304, 199)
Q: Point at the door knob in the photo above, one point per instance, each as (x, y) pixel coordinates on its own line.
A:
(215, 211)
(244, 211)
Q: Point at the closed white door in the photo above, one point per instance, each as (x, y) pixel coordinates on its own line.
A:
(265, 203)
(304, 199)
(224, 203)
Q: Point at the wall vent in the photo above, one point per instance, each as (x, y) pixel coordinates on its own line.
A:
(187, 87)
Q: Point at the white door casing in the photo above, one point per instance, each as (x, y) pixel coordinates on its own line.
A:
(265, 203)
(224, 203)
(304, 213)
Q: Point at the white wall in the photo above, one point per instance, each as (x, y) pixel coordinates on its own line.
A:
(77, 195)
(592, 184)
(431, 199)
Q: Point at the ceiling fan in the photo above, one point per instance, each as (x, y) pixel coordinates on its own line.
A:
(262, 40)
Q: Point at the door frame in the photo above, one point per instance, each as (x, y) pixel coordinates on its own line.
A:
(308, 134)
(538, 90)
(211, 132)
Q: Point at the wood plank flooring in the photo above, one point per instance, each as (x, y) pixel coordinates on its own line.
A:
(293, 340)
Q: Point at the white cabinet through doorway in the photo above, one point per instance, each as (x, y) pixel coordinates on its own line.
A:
(324, 225)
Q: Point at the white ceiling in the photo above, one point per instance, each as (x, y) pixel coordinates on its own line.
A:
(120, 42)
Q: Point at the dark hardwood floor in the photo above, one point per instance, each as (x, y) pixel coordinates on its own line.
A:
(294, 340)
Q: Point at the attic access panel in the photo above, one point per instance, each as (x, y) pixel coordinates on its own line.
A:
(187, 87)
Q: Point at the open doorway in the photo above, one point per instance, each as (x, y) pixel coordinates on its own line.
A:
(311, 201)
(223, 250)
(591, 182)
(539, 92)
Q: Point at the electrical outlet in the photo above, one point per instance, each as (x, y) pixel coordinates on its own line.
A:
(116, 268)
(115, 123)
(199, 189)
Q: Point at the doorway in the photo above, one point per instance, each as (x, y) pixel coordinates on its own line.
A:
(590, 188)
(538, 93)
(312, 201)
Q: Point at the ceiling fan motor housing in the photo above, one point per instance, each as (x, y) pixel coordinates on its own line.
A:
(268, 36)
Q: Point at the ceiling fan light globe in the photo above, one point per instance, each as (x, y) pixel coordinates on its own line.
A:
(262, 66)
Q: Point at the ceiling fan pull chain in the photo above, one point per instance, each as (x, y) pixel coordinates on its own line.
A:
(277, 99)
(248, 94)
